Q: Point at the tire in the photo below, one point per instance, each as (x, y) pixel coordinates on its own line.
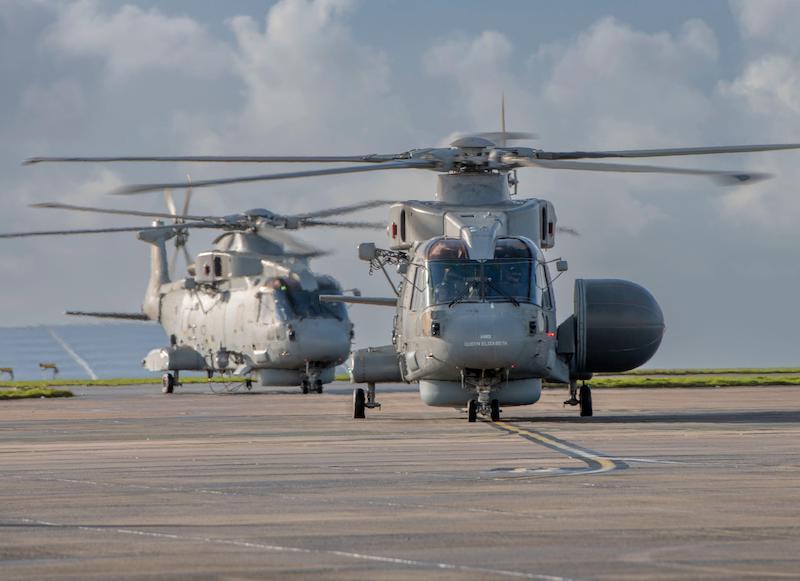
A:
(585, 397)
(318, 386)
(167, 383)
(472, 411)
(495, 413)
(304, 386)
(359, 404)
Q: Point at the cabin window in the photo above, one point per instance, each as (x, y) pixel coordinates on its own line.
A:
(543, 225)
(403, 226)
(217, 266)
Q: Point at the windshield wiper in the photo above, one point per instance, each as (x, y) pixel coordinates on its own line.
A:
(491, 285)
(462, 295)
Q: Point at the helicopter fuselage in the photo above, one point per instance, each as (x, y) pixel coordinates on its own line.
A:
(249, 315)
(475, 320)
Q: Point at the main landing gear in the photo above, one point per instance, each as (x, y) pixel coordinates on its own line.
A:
(583, 399)
(363, 400)
(311, 386)
(492, 410)
(169, 381)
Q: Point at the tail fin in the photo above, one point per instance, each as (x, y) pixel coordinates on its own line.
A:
(159, 273)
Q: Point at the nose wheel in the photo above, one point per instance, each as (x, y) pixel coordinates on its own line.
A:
(472, 411)
(492, 409)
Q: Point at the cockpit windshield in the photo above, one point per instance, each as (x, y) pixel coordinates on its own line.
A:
(498, 280)
(510, 276)
(293, 299)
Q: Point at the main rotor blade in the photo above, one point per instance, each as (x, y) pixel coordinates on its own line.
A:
(721, 176)
(345, 209)
(369, 158)
(87, 231)
(568, 230)
(104, 230)
(405, 164)
(329, 224)
(57, 206)
(290, 243)
(666, 152)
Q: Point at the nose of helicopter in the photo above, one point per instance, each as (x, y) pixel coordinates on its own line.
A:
(485, 336)
(322, 339)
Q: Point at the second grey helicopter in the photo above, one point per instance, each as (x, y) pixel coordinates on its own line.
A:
(249, 307)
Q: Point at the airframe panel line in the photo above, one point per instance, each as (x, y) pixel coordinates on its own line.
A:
(595, 463)
(288, 549)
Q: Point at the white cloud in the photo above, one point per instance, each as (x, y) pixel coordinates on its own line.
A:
(770, 84)
(306, 77)
(132, 40)
(481, 70)
(769, 21)
(55, 110)
(633, 87)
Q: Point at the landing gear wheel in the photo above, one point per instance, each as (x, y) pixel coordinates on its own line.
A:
(495, 410)
(304, 386)
(586, 400)
(167, 383)
(359, 404)
(472, 411)
(248, 384)
(318, 386)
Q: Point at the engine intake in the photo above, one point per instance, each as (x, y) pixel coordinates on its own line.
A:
(617, 326)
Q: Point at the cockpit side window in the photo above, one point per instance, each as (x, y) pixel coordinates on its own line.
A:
(448, 249)
(512, 248)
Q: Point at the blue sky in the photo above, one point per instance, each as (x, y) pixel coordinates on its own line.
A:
(335, 76)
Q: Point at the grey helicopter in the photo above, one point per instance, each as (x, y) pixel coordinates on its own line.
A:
(475, 315)
(249, 306)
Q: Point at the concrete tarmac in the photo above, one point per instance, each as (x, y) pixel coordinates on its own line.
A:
(660, 484)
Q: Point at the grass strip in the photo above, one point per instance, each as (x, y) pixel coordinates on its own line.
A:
(119, 381)
(712, 371)
(695, 381)
(36, 392)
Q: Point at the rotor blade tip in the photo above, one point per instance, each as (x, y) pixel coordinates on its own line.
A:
(743, 179)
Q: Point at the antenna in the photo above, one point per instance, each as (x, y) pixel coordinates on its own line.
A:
(512, 179)
(503, 117)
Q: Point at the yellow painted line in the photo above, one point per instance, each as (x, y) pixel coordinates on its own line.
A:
(597, 464)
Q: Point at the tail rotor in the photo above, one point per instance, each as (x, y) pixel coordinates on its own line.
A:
(182, 234)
